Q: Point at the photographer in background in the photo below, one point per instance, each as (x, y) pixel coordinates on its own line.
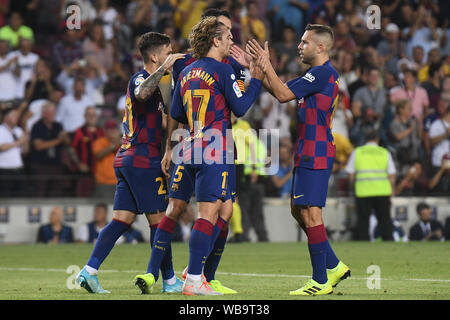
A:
(426, 229)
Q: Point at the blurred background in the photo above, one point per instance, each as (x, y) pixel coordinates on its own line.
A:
(62, 99)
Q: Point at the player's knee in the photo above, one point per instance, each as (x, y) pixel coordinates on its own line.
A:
(175, 209)
(127, 217)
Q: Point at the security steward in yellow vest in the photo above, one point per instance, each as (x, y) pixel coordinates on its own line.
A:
(372, 170)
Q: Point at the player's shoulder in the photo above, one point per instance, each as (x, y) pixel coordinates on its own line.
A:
(320, 73)
(137, 78)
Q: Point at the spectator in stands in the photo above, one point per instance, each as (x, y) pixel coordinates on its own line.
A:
(287, 12)
(47, 141)
(67, 50)
(183, 229)
(447, 229)
(445, 94)
(417, 95)
(108, 15)
(26, 62)
(132, 235)
(441, 110)
(82, 154)
(276, 115)
(282, 179)
(348, 71)
(188, 13)
(426, 229)
(390, 48)
(16, 30)
(98, 49)
(41, 84)
(372, 171)
(4, 8)
(72, 106)
(8, 71)
(34, 109)
(286, 49)
(94, 77)
(434, 57)
(55, 232)
(408, 182)
(104, 150)
(433, 85)
(252, 25)
(343, 118)
(344, 149)
(405, 132)
(440, 141)
(142, 15)
(371, 99)
(343, 38)
(89, 232)
(13, 143)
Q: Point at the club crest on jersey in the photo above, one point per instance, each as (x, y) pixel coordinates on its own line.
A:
(139, 80)
(236, 89)
(309, 77)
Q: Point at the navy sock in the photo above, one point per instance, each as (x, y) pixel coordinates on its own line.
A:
(199, 245)
(332, 260)
(317, 245)
(161, 247)
(219, 239)
(166, 263)
(106, 241)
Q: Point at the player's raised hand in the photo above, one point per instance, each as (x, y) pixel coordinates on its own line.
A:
(240, 56)
(258, 68)
(254, 49)
(170, 60)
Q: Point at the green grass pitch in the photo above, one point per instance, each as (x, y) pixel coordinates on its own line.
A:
(258, 271)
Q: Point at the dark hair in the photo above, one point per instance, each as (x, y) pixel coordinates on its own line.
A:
(433, 69)
(101, 205)
(411, 71)
(214, 12)
(420, 206)
(151, 41)
(320, 29)
(370, 135)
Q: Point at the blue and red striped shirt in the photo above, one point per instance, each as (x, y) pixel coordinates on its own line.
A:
(142, 127)
(317, 92)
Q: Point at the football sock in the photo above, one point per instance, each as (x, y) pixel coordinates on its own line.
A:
(199, 245)
(161, 256)
(317, 245)
(166, 263)
(219, 239)
(171, 280)
(332, 260)
(106, 241)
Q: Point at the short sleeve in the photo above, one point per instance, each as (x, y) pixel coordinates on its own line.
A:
(312, 82)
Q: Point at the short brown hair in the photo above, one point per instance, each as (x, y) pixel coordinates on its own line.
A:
(202, 36)
(150, 41)
(321, 29)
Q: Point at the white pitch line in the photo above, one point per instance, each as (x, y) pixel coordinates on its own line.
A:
(262, 275)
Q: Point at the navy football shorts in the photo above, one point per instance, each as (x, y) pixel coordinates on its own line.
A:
(209, 182)
(140, 190)
(310, 187)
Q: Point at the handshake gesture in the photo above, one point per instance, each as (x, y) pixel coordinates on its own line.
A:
(254, 58)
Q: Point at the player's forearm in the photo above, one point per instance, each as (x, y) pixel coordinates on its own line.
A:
(248, 98)
(148, 86)
(278, 89)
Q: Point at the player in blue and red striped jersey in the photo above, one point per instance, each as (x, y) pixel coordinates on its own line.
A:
(205, 95)
(317, 92)
(182, 184)
(140, 182)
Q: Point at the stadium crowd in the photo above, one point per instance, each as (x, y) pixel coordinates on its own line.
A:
(62, 91)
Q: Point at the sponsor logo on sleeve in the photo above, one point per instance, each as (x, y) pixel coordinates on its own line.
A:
(236, 89)
(309, 77)
(139, 80)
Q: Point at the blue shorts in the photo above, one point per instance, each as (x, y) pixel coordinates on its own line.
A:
(140, 190)
(182, 182)
(310, 187)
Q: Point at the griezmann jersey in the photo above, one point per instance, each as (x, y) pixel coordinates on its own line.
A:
(142, 127)
(180, 64)
(205, 94)
(317, 92)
